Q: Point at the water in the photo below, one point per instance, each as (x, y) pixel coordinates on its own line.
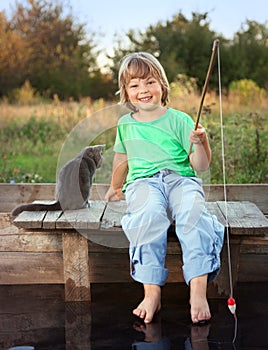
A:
(36, 317)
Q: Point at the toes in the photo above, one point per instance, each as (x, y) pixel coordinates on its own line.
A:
(194, 319)
(139, 312)
(142, 314)
(148, 318)
(200, 317)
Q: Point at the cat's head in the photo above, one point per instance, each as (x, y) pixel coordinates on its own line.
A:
(94, 153)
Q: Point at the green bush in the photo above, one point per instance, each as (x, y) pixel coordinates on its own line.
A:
(247, 91)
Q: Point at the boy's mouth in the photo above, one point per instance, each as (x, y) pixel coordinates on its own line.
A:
(145, 99)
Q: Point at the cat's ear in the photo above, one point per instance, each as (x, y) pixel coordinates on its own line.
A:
(101, 147)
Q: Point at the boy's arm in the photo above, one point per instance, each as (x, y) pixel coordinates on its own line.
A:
(201, 157)
(119, 173)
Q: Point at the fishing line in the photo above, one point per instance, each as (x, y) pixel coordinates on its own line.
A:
(224, 182)
(231, 300)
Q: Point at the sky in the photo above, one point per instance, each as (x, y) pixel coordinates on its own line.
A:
(118, 16)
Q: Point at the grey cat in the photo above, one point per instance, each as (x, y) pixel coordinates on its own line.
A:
(73, 184)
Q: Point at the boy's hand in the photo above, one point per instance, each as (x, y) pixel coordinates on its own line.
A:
(199, 135)
(113, 195)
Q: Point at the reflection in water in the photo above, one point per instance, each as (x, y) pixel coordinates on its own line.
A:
(155, 340)
(37, 318)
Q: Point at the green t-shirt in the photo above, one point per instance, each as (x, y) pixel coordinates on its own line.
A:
(152, 146)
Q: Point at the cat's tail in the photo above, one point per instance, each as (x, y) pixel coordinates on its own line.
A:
(35, 207)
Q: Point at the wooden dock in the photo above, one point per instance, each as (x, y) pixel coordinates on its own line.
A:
(81, 247)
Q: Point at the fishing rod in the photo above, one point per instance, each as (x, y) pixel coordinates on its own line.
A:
(204, 90)
(231, 303)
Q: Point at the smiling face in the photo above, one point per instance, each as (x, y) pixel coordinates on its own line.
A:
(144, 94)
(142, 81)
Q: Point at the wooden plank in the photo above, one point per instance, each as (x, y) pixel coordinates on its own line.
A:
(115, 210)
(222, 283)
(49, 222)
(76, 267)
(82, 219)
(174, 265)
(30, 219)
(13, 194)
(98, 191)
(109, 268)
(113, 214)
(31, 242)
(255, 193)
(6, 226)
(107, 238)
(94, 247)
(245, 218)
(31, 268)
(213, 209)
(258, 245)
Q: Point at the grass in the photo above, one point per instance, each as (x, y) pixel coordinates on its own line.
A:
(35, 138)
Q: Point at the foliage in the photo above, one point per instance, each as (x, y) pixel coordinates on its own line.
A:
(247, 91)
(245, 140)
(24, 95)
(13, 64)
(48, 49)
(46, 57)
(249, 53)
(30, 147)
(184, 47)
(24, 147)
(182, 86)
(42, 44)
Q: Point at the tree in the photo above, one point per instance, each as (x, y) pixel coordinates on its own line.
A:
(182, 46)
(249, 53)
(13, 57)
(60, 56)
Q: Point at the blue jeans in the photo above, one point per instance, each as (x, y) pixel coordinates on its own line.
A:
(152, 204)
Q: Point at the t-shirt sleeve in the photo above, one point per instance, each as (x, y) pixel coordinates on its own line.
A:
(119, 145)
(188, 125)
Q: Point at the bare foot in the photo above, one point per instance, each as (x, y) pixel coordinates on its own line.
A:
(198, 299)
(150, 304)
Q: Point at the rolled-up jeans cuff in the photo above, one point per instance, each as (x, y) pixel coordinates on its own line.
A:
(149, 274)
(207, 266)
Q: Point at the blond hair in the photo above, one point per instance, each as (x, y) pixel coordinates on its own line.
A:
(141, 65)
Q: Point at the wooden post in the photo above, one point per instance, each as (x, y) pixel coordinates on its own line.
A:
(76, 267)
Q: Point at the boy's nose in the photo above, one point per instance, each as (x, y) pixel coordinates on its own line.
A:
(144, 88)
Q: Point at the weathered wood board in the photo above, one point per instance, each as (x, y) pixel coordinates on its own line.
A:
(30, 219)
(14, 194)
(244, 218)
(86, 246)
(82, 219)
